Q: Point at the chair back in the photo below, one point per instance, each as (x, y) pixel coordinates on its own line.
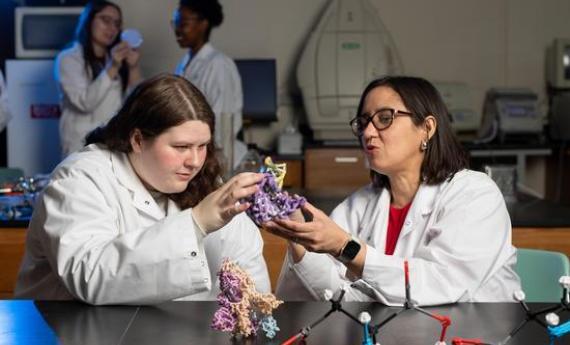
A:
(540, 271)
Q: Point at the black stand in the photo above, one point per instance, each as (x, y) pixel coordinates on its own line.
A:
(408, 305)
(564, 305)
(335, 306)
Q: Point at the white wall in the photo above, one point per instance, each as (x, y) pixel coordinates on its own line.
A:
(484, 43)
(251, 29)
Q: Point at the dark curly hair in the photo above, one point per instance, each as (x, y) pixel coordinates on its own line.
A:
(444, 155)
(210, 10)
(156, 105)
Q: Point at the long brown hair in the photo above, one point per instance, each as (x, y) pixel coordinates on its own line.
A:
(93, 65)
(156, 105)
(444, 155)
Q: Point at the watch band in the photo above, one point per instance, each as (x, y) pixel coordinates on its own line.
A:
(350, 250)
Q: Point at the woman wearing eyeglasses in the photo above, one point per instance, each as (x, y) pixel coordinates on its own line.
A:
(94, 74)
(213, 72)
(140, 215)
(423, 205)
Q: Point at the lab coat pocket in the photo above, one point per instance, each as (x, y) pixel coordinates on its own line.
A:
(432, 233)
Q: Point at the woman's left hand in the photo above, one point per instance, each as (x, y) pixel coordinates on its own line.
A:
(321, 234)
(220, 206)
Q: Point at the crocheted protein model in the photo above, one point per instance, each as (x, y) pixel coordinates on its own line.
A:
(242, 309)
(269, 201)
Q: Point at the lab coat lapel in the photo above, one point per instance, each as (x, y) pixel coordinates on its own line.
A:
(197, 63)
(375, 221)
(418, 216)
(142, 200)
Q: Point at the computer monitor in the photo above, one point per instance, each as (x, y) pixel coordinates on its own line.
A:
(41, 32)
(558, 64)
(258, 79)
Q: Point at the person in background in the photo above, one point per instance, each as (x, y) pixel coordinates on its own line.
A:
(451, 224)
(141, 216)
(4, 111)
(214, 73)
(94, 74)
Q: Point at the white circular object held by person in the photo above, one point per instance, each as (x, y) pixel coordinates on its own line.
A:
(133, 37)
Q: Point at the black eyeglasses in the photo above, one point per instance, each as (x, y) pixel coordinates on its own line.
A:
(108, 21)
(179, 22)
(381, 120)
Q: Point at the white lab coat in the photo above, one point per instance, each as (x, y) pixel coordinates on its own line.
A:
(97, 235)
(216, 75)
(4, 111)
(456, 238)
(85, 103)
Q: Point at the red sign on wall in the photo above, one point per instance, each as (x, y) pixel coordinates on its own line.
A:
(45, 111)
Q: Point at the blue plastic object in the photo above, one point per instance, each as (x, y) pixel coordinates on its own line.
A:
(556, 332)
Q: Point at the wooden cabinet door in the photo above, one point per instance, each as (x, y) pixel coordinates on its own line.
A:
(331, 168)
(12, 244)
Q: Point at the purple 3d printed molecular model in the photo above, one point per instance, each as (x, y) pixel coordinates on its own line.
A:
(270, 202)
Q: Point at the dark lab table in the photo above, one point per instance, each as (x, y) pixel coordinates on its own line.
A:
(183, 323)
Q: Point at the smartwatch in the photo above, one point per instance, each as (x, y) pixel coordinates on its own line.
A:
(349, 251)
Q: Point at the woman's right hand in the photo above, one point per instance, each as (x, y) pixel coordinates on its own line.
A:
(321, 234)
(118, 55)
(297, 250)
(220, 206)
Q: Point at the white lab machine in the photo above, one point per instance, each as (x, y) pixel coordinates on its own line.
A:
(510, 112)
(347, 49)
(290, 141)
(558, 64)
(458, 99)
(42, 32)
(33, 132)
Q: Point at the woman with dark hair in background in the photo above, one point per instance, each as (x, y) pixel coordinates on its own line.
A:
(94, 74)
(142, 216)
(214, 73)
(424, 206)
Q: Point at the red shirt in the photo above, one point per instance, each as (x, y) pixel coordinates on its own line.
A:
(395, 223)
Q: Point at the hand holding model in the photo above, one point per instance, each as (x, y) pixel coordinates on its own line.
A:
(220, 206)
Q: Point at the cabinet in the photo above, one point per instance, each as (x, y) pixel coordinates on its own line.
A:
(327, 168)
(274, 251)
(294, 176)
(554, 239)
(12, 244)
